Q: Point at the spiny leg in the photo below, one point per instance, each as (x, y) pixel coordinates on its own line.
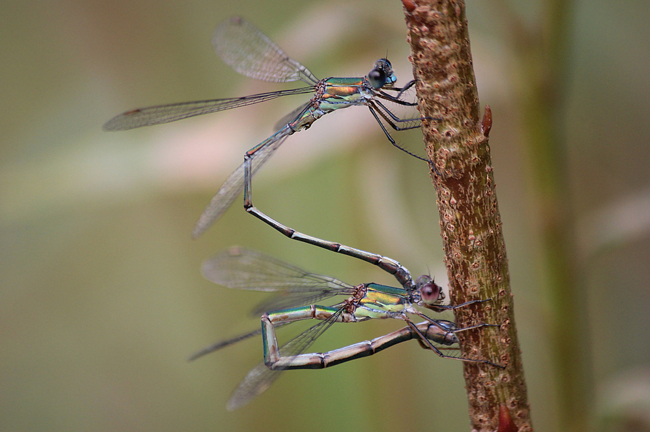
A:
(377, 108)
(446, 328)
(440, 308)
(428, 343)
(397, 98)
(392, 119)
(390, 138)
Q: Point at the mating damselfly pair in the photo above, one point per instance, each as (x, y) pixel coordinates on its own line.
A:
(247, 50)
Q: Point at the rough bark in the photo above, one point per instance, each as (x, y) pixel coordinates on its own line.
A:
(470, 224)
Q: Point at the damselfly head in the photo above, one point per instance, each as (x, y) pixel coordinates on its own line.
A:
(430, 292)
(382, 74)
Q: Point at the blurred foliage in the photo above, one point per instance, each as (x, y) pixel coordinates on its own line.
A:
(102, 299)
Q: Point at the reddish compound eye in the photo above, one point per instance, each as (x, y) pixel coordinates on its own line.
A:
(430, 292)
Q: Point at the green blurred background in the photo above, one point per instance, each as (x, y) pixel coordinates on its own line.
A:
(102, 300)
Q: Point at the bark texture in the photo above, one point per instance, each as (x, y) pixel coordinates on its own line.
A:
(470, 224)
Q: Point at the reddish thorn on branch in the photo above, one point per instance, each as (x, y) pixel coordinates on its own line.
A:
(409, 5)
(486, 124)
(505, 420)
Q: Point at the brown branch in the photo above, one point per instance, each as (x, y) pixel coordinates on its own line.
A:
(475, 253)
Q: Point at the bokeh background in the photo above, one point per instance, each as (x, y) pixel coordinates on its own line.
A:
(101, 298)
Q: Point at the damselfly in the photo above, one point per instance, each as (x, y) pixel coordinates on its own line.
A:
(297, 291)
(247, 50)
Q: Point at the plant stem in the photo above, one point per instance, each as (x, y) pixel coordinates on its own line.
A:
(475, 253)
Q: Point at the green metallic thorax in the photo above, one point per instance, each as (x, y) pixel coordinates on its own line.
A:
(381, 300)
(342, 92)
(330, 95)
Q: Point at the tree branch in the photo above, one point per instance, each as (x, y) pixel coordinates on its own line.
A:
(475, 253)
